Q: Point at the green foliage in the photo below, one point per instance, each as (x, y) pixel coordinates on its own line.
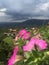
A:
(30, 58)
(8, 40)
(6, 48)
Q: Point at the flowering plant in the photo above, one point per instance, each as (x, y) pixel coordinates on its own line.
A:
(29, 50)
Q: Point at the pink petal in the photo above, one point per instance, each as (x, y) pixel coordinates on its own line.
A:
(22, 32)
(29, 46)
(13, 57)
(41, 44)
(38, 35)
(26, 36)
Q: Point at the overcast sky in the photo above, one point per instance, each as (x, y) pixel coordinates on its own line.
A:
(19, 10)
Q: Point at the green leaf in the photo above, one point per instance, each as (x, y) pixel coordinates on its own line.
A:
(8, 40)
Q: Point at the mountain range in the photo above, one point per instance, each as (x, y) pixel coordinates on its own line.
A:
(27, 23)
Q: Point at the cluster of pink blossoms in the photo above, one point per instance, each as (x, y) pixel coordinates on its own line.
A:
(40, 43)
(23, 34)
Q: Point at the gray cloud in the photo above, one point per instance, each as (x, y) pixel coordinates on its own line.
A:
(23, 9)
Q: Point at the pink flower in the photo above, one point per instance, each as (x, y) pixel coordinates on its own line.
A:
(13, 57)
(22, 32)
(41, 44)
(26, 36)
